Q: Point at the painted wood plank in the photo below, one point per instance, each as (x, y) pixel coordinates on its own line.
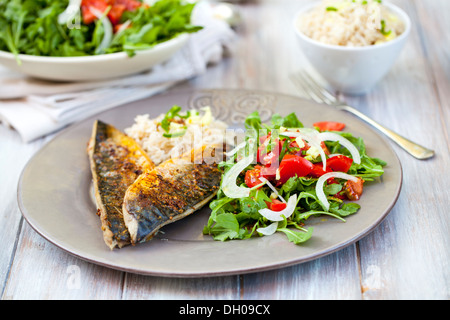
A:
(406, 257)
(42, 271)
(158, 288)
(13, 157)
(333, 277)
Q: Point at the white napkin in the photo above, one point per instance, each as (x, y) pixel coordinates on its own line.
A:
(36, 108)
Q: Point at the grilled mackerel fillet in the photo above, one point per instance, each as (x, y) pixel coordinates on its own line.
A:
(173, 190)
(116, 162)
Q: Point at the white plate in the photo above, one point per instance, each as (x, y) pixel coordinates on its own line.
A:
(99, 67)
(55, 197)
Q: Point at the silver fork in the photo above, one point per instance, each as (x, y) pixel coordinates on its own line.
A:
(319, 94)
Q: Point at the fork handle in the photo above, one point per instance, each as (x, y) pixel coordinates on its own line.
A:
(412, 148)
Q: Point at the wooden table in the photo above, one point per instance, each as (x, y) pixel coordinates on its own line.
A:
(406, 257)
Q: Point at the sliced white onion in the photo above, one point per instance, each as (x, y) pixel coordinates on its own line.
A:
(229, 186)
(300, 142)
(330, 136)
(235, 150)
(311, 136)
(310, 131)
(257, 186)
(320, 182)
(123, 27)
(277, 215)
(334, 155)
(71, 11)
(269, 230)
(107, 29)
(272, 187)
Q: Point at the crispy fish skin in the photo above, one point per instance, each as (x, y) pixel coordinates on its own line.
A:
(116, 161)
(173, 190)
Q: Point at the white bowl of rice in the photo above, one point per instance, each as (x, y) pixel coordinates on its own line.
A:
(352, 43)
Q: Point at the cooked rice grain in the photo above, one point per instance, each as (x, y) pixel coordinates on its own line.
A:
(201, 129)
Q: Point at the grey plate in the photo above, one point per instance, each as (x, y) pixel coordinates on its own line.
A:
(55, 198)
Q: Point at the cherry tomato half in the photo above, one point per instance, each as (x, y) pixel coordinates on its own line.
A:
(130, 5)
(118, 7)
(339, 163)
(318, 171)
(252, 177)
(294, 165)
(88, 16)
(116, 12)
(329, 125)
(276, 205)
(271, 157)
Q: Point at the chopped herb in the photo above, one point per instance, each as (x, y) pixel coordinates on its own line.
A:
(175, 134)
(383, 30)
(170, 117)
(332, 9)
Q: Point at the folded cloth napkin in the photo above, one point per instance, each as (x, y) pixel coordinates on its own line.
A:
(36, 108)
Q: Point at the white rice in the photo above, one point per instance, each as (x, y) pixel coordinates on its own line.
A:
(202, 129)
(353, 24)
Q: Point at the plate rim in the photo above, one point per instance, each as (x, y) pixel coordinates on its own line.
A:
(232, 271)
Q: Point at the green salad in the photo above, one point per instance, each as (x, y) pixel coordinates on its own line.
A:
(282, 174)
(66, 28)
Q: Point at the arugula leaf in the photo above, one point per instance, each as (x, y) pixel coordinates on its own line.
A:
(290, 121)
(332, 189)
(297, 237)
(253, 121)
(227, 221)
(225, 226)
(346, 209)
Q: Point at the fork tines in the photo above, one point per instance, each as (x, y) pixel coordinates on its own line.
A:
(312, 89)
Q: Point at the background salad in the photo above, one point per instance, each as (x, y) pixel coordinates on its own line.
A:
(88, 27)
(283, 173)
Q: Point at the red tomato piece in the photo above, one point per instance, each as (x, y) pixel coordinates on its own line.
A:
(354, 190)
(318, 171)
(117, 27)
(130, 5)
(294, 165)
(271, 157)
(340, 163)
(88, 16)
(341, 195)
(329, 126)
(276, 205)
(118, 7)
(269, 172)
(325, 148)
(263, 138)
(116, 12)
(252, 178)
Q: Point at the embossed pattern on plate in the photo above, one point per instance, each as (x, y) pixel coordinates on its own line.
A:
(54, 195)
